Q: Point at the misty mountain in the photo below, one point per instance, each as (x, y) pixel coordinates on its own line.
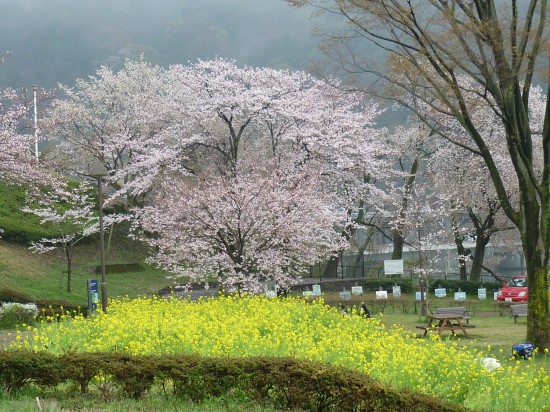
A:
(55, 41)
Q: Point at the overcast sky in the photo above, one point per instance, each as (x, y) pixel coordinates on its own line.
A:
(55, 41)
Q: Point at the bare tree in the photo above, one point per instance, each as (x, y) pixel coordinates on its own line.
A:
(454, 55)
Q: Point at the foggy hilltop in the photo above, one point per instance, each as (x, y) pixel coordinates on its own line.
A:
(54, 41)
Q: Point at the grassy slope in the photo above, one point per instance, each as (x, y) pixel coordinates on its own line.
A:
(41, 276)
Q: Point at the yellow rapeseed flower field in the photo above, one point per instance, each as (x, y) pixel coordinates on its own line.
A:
(248, 326)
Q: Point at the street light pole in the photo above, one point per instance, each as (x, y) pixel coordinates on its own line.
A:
(99, 171)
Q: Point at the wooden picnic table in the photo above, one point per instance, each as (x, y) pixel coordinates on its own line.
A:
(443, 322)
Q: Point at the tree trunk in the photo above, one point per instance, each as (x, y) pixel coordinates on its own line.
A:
(398, 243)
(397, 233)
(461, 252)
(538, 319)
(479, 254)
(484, 230)
(460, 249)
(360, 219)
(534, 231)
(358, 264)
(68, 256)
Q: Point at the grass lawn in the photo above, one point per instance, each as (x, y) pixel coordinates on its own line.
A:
(44, 277)
(64, 400)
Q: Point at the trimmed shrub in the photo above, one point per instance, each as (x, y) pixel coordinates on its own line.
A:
(81, 368)
(280, 382)
(135, 375)
(19, 368)
(14, 314)
(11, 295)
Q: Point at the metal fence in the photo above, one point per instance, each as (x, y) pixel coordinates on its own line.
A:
(336, 269)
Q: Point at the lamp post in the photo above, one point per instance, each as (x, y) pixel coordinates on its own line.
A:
(99, 171)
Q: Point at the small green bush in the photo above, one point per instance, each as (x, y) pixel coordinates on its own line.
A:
(19, 368)
(135, 375)
(14, 314)
(81, 368)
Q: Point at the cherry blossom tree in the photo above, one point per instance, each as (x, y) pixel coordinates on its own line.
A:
(259, 224)
(70, 212)
(144, 122)
(289, 120)
(192, 126)
(17, 162)
(110, 118)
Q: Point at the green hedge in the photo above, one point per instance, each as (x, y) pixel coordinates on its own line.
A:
(388, 284)
(464, 285)
(284, 383)
(47, 307)
(15, 296)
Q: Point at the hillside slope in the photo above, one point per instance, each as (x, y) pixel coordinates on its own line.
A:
(44, 276)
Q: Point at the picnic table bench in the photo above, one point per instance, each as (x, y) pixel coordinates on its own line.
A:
(458, 311)
(517, 310)
(440, 323)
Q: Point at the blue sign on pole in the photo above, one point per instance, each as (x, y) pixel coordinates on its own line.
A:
(93, 295)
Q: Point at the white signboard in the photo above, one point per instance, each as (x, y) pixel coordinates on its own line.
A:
(357, 290)
(460, 295)
(440, 292)
(307, 293)
(418, 295)
(317, 290)
(271, 293)
(346, 295)
(397, 291)
(381, 294)
(482, 294)
(393, 267)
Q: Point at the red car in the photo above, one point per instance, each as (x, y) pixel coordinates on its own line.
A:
(514, 291)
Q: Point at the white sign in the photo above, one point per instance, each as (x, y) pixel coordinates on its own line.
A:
(495, 295)
(357, 290)
(440, 292)
(482, 294)
(307, 293)
(460, 295)
(397, 291)
(346, 295)
(271, 293)
(317, 290)
(393, 267)
(418, 295)
(381, 294)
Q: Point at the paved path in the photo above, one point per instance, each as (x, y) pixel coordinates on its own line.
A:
(6, 337)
